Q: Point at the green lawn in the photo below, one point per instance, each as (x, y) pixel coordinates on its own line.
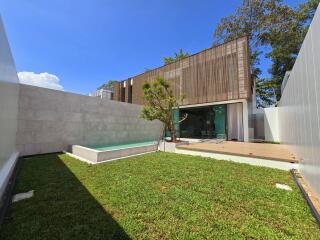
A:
(156, 196)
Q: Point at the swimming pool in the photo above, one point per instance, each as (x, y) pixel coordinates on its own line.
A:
(97, 154)
(122, 146)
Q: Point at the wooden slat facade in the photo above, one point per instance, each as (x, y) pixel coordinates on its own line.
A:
(219, 73)
(116, 92)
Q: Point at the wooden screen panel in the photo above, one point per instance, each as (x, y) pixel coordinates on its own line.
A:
(116, 91)
(219, 73)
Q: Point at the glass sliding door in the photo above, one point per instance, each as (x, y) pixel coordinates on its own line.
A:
(210, 122)
(206, 122)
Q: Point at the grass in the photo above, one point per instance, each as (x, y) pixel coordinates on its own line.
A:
(156, 196)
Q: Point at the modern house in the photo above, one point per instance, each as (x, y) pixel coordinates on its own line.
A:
(102, 93)
(219, 100)
(217, 87)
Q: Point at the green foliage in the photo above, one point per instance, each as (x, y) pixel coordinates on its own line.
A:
(108, 85)
(266, 92)
(155, 196)
(167, 60)
(285, 30)
(160, 104)
(269, 24)
(177, 56)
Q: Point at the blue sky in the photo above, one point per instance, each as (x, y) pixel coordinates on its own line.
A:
(87, 42)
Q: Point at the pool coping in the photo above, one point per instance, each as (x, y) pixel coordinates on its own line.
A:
(110, 160)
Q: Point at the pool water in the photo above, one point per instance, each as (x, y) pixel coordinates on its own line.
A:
(122, 146)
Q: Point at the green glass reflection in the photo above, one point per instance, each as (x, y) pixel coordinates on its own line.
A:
(219, 121)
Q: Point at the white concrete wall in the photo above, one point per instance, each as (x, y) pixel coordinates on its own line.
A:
(257, 125)
(245, 115)
(299, 111)
(51, 121)
(271, 124)
(9, 90)
(259, 133)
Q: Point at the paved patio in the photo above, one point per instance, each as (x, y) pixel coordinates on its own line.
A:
(267, 151)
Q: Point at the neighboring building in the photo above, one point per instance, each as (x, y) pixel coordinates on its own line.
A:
(103, 94)
(217, 87)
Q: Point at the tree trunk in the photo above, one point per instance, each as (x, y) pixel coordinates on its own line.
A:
(173, 134)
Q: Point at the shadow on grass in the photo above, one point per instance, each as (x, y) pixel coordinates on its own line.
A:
(62, 208)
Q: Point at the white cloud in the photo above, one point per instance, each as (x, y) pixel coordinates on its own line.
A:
(45, 80)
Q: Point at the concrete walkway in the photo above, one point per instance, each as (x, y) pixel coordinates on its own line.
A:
(268, 151)
(260, 154)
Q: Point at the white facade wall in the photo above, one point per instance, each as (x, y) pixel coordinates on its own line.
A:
(271, 124)
(299, 108)
(245, 115)
(9, 91)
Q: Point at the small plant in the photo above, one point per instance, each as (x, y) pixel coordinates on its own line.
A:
(160, 104)
(177, 56)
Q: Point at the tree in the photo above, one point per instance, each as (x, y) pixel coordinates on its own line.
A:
(177, 56)
(266, 92)
(108, 85)
(285, 31)
(246, 21)
(160, 104)
(268, 24)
